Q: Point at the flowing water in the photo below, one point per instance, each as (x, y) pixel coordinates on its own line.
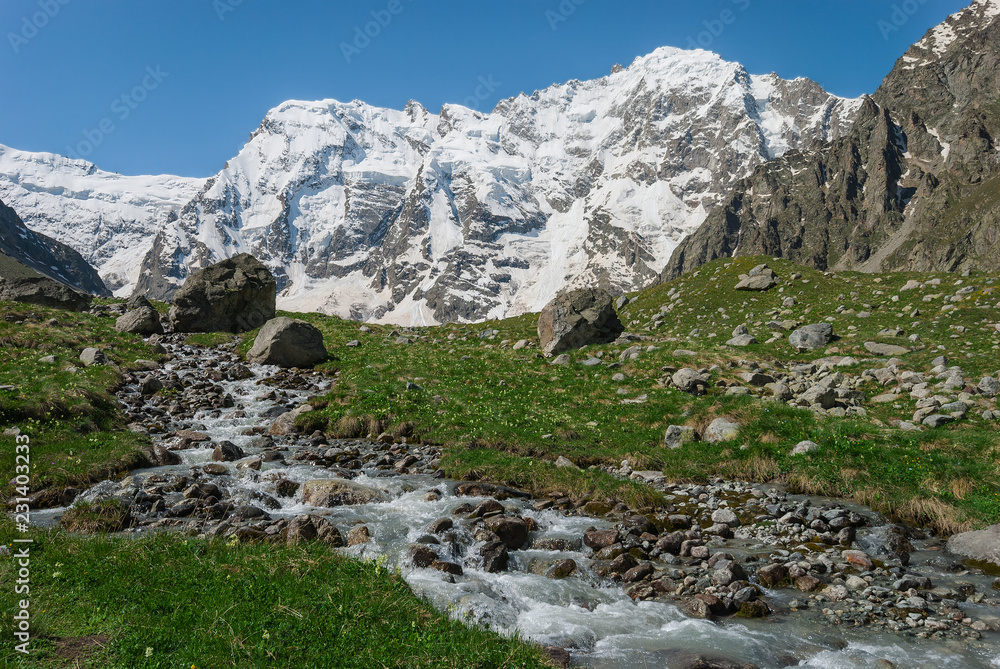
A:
(590, 616)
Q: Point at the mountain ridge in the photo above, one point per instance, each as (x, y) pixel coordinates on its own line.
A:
(914, 185)
(412, 217)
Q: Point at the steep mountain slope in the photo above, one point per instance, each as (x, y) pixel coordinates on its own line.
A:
(413, 217)
(45, 255)
(914, 185)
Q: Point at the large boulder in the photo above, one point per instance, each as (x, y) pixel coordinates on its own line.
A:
(981, 545)
(339, 492)
(809, 337)
(721, 429)
(143, 321)
(288, 342)
(235, 295)
(578, 318)
(759, 279)
(690, 381)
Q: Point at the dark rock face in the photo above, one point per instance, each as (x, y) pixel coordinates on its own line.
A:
(19, 283)
(288, 342)
(234, 295)
(42, 254)
(578, 318)
(915, 184)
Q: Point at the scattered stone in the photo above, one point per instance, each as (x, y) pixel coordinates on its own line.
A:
(937, 420)
(761, 278)
(877, 348)
(94, 356)
(513, 532)
(809, 337)
(858, 559)
(679, 435)
(804, 447)
(565, 462)
(989, 386)
(690, 381)
(561, 569)
(721, 429)
(358, 535)
(227, 451)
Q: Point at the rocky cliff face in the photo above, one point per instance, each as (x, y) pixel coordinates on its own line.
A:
(46, 256)
(413, 217)
(914, 185)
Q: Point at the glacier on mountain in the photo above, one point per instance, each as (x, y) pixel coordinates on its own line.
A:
(410, 217)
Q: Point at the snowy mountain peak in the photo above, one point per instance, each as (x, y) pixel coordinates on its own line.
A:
(413, 217)
(972, 19)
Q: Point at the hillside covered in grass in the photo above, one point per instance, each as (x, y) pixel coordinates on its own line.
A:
(504, 412)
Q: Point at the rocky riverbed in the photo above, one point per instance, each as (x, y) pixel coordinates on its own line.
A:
(727, 575)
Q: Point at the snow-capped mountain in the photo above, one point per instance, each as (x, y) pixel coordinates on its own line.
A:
(109, 218)
(413, 217)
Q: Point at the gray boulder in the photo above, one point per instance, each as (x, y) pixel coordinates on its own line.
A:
(578, 318)
(821, 395)
(288, 342)
(804, 447)
(809, 337)
(878, 348)
(937, 420)
(235, 295)
(678, 435)
(982, 545)
(339, 492)
(721, 429)
(137, 301)
(143, 320)
(93, 356)
(759, 279)
(690, 381)
(989, 386)
(742, 340)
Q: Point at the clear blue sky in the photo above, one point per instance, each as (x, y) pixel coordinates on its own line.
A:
(221, 64)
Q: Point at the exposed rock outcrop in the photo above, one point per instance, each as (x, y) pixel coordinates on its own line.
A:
(19, 283)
